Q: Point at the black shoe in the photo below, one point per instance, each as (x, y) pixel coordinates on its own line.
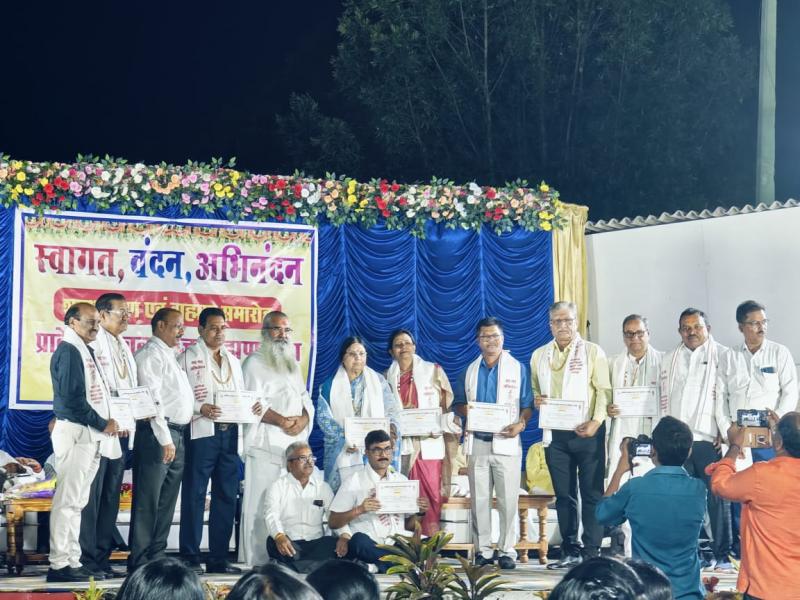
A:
(567, 562)
(110, 573)
(194, 566)
(506, 562)
(480, 561)
(96, 574)
(224, 567)
(66, 574)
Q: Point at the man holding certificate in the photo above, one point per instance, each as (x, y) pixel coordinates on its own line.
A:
(494, 395)
(99, 516)
(634, 379)
(374, 504)
(572, 390)
(158, 454)
(213, 449)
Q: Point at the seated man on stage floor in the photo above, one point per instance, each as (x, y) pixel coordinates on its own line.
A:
(296, 507)
(354, 509)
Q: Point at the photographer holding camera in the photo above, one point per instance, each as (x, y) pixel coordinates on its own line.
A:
(665, 507)
(770, 494)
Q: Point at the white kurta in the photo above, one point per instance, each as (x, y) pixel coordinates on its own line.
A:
(264, 448)
(747, 380)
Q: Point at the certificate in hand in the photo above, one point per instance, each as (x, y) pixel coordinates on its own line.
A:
(420, 421)
(397, 497)
(488, 418)
(562, 414)
(121, 413)
(357, 428)
(236, 406)
(143, 405)
(639, 401)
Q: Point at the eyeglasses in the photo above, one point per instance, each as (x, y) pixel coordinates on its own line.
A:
(285, 330)
(309, 459)
(402, 344)
(490, 338)
(356, 355)
(690, 328)
(560, 322)
(123, 313)
(629, 335)
(89, 322)
(387, 451)
(755, 324)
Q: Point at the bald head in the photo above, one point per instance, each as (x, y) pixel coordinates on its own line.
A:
(788, 431)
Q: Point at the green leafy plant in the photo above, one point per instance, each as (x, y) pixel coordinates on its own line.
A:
(480, 583)
(416, 561)
(93, 592)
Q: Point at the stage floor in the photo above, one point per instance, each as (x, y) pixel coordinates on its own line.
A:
(522, 581)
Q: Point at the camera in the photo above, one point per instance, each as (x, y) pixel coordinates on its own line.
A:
(639, 446)
(752, 418)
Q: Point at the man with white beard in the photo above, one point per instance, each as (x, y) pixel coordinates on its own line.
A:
(273, 373)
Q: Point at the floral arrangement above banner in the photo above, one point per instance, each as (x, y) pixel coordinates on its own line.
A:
(113, 184)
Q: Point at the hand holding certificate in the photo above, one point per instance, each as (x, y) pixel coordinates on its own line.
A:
(638, 401)
(236, 406)
(357, 428)
(488, 418)
(420, 422)
(121, 413)
(142, 403)
(397, 497)
(562, 414)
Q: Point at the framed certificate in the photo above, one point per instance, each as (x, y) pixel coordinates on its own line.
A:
(121, 413)
(562, 414)
(420, 421)
(143, 405)
(488, 418)
(236, 406)
(397, 497)
(357, 428)
(638, 401)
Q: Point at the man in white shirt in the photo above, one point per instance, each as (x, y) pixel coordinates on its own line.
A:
(158, 454)
(353, 511)
(297, 507)
(274, 374)
(213, 449)
(688, 393)
(99, 516)
(757, 374)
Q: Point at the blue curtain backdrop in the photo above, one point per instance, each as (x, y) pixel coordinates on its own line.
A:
(370, 283)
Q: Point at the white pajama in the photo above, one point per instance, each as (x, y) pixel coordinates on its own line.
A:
(261, 469)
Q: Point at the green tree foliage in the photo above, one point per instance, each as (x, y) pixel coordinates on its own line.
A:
(630, 106)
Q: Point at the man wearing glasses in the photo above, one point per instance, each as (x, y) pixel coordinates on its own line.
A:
(688, 393)
(354, 513)
(99, 516)
(570, 368)
(495, 459)
(297, 509)
(274, 374)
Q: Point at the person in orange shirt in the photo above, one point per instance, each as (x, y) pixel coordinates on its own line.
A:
(770, 495)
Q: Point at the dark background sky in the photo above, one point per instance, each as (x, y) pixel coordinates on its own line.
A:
(172, 82)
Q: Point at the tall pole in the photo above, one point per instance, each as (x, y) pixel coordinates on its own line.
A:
(765, 166)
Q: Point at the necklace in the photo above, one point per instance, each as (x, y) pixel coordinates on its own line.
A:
(217, 379)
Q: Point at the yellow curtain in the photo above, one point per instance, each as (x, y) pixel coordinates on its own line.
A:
(570, 281)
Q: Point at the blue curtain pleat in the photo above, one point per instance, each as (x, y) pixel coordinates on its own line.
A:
(370, 282)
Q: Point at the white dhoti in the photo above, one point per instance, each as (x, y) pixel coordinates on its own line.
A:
(261, 470)
(487, 470)
(77, 460)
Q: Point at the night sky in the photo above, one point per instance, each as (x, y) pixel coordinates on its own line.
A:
(172, 82)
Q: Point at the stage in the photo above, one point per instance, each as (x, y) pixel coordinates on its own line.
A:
(523, 581)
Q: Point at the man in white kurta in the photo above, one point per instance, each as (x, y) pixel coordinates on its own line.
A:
(274, 374)
(494, 460)
(159, 451)
(213, 449)
(83, 432)
(688, 393)
(757, 374)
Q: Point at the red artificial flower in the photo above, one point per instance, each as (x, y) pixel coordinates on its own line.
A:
(279, 217)
(281, 184)
(271, 187)
(395, 187)
(491, 193)
(384, 186)
(284, 203)
(488, 214)
(402, 201)
(298, 189)
(49, 189)
(290, 210)
(385, 213)
(380, 202)
(498, 216)
(61, 198)
(36, 202)
(72, 172)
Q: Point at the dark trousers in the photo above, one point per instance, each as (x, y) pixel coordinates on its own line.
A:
(308, 553)
(214, 458)
(577, 462)
(99, 516)
(155, 493)
(362, 547)
(703, 454)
